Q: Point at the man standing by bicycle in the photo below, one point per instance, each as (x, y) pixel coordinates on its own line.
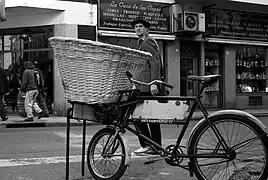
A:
(150, 71)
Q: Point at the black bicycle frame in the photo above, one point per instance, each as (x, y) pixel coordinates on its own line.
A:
(131, 105)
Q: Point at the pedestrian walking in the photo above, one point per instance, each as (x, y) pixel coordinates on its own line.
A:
(14, 86)
(41, 98)
(3, 90)
(150, 71)
(30, 86)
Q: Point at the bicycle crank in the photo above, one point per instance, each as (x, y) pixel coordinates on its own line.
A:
(174, 160)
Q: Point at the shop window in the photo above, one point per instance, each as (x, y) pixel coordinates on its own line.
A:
(213, 95)
(251, 69)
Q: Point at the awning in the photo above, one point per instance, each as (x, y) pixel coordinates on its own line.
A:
(16, 10)
(237, 41)
(133, 35)
(25, 16)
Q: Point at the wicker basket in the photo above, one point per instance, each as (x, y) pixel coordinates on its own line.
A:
(93, 72)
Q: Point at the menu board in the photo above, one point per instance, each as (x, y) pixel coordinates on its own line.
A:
(118, 14)
(236, 24)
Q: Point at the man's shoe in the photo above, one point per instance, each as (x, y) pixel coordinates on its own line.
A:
(29, 119)
(4, 118)
(41, 114)
(142, 150)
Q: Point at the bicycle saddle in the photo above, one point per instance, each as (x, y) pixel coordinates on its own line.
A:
(206, 79)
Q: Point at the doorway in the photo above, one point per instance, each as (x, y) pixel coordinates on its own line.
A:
(188, 68)
(189, 51)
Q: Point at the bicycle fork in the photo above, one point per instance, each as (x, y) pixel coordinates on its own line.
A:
(112, 145)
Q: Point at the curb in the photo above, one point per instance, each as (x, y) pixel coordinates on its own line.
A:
(22, 124)
(50, 123)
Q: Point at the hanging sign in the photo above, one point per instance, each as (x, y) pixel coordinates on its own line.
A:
(118, 14)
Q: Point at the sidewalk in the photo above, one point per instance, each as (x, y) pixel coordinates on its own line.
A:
(15, 121)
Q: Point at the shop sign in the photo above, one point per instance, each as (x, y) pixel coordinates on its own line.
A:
(118, 14)
(236, 24)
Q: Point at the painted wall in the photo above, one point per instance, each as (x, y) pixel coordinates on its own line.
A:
(36, 13)
(28, 17)
(229, 77)
(173, 65)
(235, 5)
(60, 103)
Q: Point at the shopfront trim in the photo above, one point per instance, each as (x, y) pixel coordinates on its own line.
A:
(237, 41)
(133, 35)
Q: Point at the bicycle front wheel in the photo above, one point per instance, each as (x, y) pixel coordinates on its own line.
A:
(106, 155)
(247, 145)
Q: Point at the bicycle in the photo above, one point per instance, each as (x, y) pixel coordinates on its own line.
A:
(227, 144)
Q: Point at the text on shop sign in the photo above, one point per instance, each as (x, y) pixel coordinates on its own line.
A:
(236, 24)
(118, 14)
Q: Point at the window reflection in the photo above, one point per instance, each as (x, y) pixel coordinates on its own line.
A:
(251, 69)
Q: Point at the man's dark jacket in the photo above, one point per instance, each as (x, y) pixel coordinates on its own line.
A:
(151, 69)
(3, 81)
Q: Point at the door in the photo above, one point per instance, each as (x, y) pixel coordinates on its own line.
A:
(189, 51)
(187, 68)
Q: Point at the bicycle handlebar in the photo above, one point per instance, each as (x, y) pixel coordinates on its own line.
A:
(129, 76)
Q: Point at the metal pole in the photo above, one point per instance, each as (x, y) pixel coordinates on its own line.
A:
(68, 143)
(3, 49)
(83, 148)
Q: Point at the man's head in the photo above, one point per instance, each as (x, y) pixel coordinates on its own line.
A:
(28, 65)
(140, 26)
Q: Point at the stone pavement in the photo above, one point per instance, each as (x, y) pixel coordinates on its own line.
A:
(53, 121)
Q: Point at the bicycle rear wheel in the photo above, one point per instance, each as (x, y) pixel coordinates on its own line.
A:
(248, 145)
(103, 163)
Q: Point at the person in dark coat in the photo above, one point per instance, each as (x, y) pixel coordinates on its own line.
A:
(30, 86)
(150, 71)
(14, 85)
(3, 90)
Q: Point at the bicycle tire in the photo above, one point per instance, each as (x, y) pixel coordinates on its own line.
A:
(241, 167)
(94, 142)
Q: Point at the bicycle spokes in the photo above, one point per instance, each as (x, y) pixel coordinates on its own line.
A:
(244, 159)
(107, 155)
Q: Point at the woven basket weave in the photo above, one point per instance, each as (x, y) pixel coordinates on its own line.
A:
(93, 72)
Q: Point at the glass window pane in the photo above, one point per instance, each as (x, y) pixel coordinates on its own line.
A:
(251, 69)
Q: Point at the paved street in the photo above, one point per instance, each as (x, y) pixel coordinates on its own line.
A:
(39, 154)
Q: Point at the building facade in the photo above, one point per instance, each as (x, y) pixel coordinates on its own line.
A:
(27, 29)
(197, 37)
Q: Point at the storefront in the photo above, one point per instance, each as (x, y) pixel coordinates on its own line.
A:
(23, 44)
(230, 42)
(183, 52)
(243, 38)
(25, 37)
(193, 40)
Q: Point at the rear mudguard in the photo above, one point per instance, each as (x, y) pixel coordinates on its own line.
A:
(228, 112)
